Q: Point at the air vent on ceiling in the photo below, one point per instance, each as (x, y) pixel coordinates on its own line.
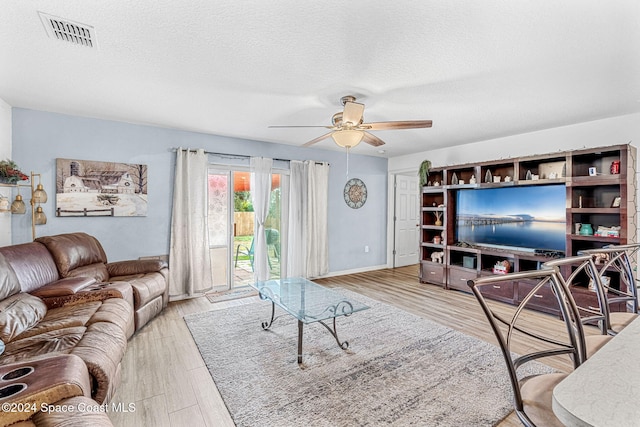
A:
(68, 31)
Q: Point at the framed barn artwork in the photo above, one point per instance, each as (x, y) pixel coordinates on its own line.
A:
(92, 188)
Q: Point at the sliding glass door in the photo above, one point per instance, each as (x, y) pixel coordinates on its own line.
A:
(231, 227)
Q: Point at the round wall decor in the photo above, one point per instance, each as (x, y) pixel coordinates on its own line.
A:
(355, 193)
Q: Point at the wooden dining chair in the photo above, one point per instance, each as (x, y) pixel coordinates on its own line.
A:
(617, 262)
(576, 273)
(532, 394)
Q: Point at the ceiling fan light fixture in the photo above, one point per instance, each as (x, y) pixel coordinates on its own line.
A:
(347, 138)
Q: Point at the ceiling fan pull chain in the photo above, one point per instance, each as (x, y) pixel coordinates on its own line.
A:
(348, 161)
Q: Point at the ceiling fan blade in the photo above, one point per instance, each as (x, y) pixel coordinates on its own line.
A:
(352, 113)
(371, 139)
(302, 126)
(408, 124)
(318, 139)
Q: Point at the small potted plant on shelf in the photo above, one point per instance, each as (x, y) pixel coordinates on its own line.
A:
(10, 174)
(423, 172)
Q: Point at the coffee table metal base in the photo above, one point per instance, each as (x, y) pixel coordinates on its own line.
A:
(332, 330)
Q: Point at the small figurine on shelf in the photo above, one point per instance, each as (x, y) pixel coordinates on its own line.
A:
(437, 257)
(438, 218)
(472, 180)
(502, 267)
(615, 167)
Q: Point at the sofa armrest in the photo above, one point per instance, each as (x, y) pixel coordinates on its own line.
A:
(133, 267)
(62, 287)
(95, 292)
(44, 382)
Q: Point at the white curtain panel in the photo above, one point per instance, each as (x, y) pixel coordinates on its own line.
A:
(189, 262)
(285, 186)
(260, 194)
(296, 242)
(316, 219)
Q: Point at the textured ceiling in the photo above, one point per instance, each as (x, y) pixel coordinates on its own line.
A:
(478, 69)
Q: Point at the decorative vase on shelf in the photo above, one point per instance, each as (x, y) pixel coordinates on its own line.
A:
(438, 215)
(488, 177)
(586, 230)
(577, 225)
(454, 179)
(528, 176)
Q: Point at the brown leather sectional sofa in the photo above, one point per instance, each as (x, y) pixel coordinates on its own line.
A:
(62, 303)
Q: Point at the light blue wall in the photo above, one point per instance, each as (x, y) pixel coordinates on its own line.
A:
(40, 137)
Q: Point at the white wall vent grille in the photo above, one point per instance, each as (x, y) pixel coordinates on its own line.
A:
(68, 31)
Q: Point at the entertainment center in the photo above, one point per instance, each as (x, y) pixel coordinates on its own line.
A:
(513, 215)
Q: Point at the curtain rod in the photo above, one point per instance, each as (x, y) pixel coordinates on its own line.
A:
(236, 156)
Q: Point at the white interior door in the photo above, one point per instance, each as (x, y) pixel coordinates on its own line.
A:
(407, 222)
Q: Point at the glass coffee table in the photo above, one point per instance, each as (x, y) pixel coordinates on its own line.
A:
(308, 302)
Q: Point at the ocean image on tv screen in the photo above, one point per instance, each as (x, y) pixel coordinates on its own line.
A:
(524, 217)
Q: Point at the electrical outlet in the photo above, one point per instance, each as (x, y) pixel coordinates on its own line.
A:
(366, 249)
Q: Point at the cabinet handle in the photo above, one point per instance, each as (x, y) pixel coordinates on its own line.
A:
(432, 272)
(464, 280)
(496, 287)
(537, 296)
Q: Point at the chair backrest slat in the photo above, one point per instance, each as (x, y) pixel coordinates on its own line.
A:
(567, 339)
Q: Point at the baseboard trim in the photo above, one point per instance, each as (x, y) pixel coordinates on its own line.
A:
(353, 271)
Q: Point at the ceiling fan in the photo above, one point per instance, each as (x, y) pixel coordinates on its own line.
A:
(348, 128)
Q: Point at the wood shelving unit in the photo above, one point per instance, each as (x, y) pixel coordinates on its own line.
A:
(590, 196)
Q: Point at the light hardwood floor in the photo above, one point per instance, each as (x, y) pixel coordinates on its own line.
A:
(166, 380)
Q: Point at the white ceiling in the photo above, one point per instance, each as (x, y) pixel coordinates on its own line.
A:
(478, 69)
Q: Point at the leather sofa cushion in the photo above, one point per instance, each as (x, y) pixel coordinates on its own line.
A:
(18, 313)
(63, 317)
(60, 341)
(32, 264)
(133, 267)
(118, 312)
(97, 271)
(9, 284)
(73, 250)
(66, 286)
(102, 347)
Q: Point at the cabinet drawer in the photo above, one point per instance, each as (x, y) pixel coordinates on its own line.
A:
(503, 291)
(432, 273)
(458, 278)
(543, 299)
(585, 298)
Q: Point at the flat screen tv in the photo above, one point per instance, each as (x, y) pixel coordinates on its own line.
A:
(527, 217)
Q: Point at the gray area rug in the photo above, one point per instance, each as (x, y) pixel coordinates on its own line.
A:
(399, 370)
(245, 292)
